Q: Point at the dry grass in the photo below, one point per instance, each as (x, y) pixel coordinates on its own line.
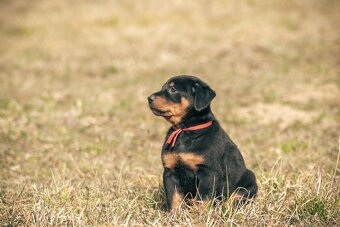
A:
(79, 146)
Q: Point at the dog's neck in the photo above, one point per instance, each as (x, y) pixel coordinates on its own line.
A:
(194, 118)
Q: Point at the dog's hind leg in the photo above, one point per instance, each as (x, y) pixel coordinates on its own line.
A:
(246, 189)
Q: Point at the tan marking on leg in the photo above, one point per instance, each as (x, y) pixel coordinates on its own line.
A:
(236, 196)
(201, 204)
(240, 199)
(170, 160)
(192, 160)
(177, 199)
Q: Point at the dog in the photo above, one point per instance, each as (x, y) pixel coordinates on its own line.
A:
(200, 161)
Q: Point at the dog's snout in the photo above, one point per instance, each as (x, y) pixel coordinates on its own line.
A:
(151, 98)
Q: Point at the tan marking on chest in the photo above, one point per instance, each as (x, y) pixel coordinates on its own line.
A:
(191, 160)
(170, 160)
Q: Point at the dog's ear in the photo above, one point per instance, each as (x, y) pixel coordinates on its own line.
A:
(203, 95)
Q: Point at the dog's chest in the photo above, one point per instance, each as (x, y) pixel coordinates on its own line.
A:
(173, 160)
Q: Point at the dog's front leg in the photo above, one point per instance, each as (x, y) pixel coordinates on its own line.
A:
(173, 191)
(206, 185)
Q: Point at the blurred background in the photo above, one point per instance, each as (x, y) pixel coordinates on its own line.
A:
(74, 77)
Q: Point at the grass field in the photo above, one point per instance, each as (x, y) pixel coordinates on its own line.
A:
(79, 146)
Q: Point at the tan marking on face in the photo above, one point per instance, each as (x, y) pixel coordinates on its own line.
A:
(177, 199)
(170, 160)
(174, 111)
(192, 160)
(178, 111)
(161, 103)
(171, 84)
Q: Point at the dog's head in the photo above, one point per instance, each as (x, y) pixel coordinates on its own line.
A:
(179, 96)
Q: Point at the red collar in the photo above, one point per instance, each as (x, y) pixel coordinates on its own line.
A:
(174, 135)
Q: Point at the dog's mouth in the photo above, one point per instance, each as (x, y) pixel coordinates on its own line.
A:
(159, 112)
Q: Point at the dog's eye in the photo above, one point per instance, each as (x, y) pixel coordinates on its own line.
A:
(172, 89)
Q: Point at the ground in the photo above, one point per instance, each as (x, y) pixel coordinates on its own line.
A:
(79, 146)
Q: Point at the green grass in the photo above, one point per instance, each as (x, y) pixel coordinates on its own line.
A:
(79, 146)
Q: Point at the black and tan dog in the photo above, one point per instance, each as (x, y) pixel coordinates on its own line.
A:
(200, 160)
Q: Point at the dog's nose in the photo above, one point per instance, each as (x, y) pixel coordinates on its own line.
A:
(151, 98)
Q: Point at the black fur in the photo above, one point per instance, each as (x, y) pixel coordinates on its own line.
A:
(223, 163)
